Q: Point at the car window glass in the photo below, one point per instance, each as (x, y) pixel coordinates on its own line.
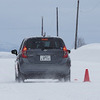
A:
(46, 44)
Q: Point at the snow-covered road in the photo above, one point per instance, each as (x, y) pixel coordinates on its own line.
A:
(84, 57)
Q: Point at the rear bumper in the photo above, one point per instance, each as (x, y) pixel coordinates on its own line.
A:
(44, 70)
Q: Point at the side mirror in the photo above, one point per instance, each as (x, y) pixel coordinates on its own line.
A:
(69, 51)
(14, 52)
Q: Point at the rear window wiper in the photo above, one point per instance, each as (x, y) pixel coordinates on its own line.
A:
(46, 48)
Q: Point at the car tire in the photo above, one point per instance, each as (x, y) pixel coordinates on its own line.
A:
(68, 77)
(19, 77)
(65, 78)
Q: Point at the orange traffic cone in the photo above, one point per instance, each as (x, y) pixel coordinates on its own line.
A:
(86, 77)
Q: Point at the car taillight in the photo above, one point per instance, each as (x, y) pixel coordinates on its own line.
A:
(44, 39)
(24, 50)
(65, 52)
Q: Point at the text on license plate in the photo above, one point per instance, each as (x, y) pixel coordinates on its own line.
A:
(45, 58)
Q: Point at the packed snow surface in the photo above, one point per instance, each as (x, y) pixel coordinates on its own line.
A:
(86, 57)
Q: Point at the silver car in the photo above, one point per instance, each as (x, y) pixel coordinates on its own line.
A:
(42, 58)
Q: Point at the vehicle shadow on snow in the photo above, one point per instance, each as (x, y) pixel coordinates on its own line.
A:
(45, 81)
(41, 81)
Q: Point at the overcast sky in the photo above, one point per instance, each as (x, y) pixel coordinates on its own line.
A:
(22, 18)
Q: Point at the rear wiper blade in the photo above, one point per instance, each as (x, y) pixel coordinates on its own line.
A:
(46, 48)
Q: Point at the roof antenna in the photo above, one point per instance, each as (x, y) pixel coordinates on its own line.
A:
(42, 27)
(57, 19)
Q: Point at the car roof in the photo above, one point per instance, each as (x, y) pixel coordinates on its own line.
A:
(42, 37)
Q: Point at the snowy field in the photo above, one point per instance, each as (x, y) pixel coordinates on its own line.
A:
(86, 57)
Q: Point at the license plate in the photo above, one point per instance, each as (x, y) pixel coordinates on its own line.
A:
(45, 58)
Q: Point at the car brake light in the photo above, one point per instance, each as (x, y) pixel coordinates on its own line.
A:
(24, 52)
(65, 52)
(44, 39)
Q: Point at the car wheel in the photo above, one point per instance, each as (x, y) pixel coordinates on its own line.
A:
(19, 77)
(65, 78)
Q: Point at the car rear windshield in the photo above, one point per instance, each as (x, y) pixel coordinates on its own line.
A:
(44, 43)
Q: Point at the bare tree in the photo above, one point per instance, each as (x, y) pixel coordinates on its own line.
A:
(80, 42)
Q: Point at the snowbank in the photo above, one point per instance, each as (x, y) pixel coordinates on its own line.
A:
(88, 53)
(86, 57)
